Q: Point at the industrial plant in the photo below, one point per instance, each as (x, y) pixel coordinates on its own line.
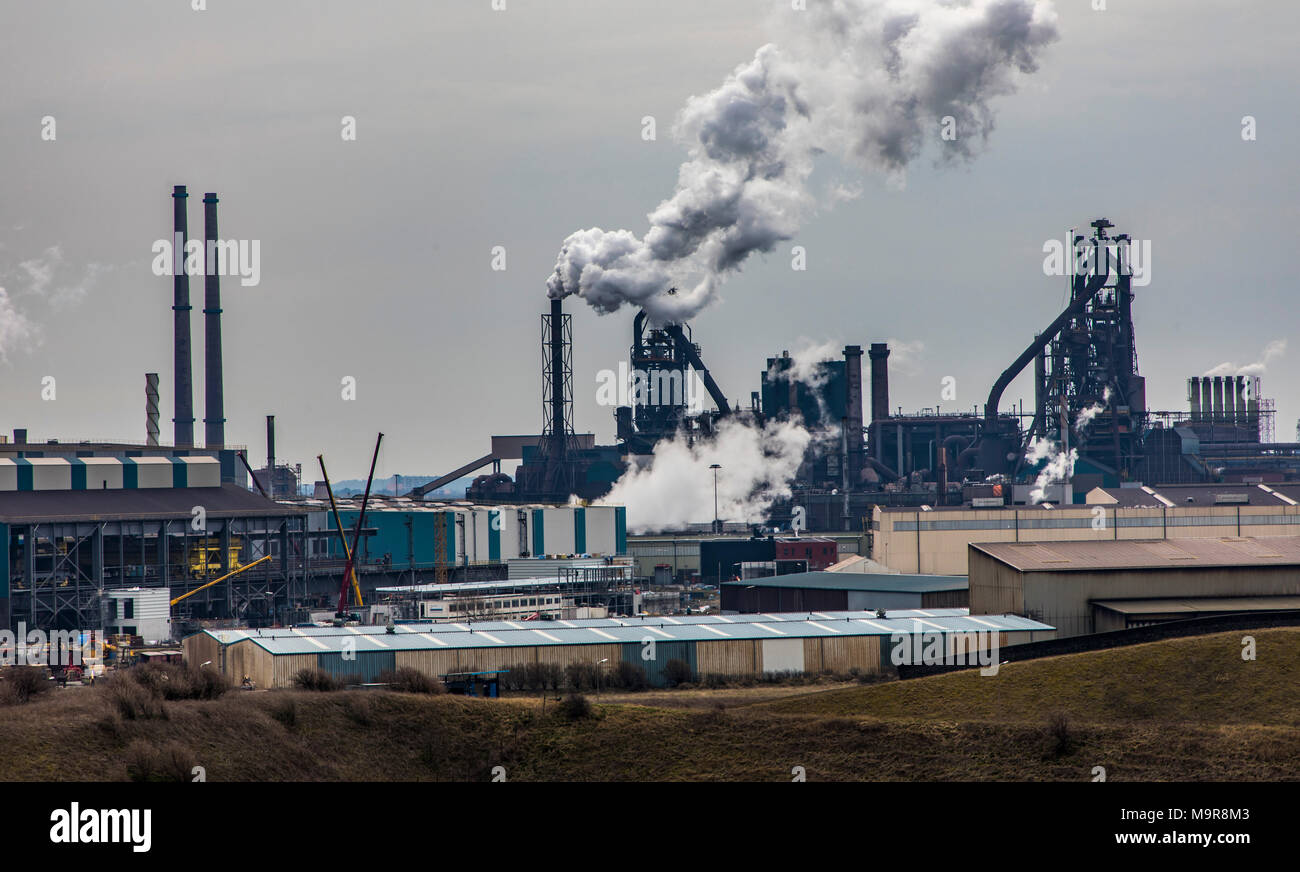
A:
(598, 418)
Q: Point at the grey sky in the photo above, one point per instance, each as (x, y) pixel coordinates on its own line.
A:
(479, 128)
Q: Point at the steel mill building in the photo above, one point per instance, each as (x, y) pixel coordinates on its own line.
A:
(840, 591)
(735, 645)
(1089, 587)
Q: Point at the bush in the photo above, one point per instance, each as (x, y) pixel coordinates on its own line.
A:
(677, 672)
(24, 683)
(174, 681)
(314, 679)
(575, 707)
(1058, 730)
(132, 700)
(410, 680)
(285, 710)
(580, 676)
(629, 676)
(358, 709)
(171, 762)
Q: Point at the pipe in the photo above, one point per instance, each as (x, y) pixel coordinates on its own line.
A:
(687, 349)
(214, 418)
(151, 408)
(1040, 339)
(183, 409)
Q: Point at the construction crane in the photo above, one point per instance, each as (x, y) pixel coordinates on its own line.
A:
(349, 551)
(231, 574)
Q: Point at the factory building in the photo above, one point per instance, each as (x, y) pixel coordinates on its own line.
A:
(709, 645)
(407, 534)
(75, 529)
(839, 591)
(136, 611)
(568, 589)
(936, 540)
(1084, 587)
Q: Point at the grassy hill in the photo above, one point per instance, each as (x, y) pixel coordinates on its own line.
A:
(1187, 709)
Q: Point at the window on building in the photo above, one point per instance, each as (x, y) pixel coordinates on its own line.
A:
(128, 608)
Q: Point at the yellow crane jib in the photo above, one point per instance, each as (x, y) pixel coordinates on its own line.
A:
(244, 568)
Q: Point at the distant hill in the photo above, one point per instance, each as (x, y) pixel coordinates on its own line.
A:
(404, 483)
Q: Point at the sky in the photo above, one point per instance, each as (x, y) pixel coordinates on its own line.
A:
(479, 128)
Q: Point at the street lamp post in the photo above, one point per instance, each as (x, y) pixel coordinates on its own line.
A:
(715, 467)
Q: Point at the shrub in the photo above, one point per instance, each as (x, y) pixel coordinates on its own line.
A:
(314, 679)
(580, 676)
(1058, 730)
(629, 675)
(24, 683)
(171, 762)
(677, 672)
(575, 707)
(410, 680)
(285, 710)
(358, 709)
(132, 700)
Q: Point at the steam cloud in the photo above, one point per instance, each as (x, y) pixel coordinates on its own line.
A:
(1274, 349)
(867, 80)
(676, 487)
(1086, 415)
(1060, 465)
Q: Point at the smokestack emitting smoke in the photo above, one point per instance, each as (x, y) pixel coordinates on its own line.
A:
(1274, 349)
(183, 408)
(870, 81)
(214, 402)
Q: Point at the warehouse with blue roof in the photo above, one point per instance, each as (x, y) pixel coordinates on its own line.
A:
(722, 645)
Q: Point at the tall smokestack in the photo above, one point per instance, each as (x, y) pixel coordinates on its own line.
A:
(853, 383)
(557, 372)
(183, 409)
(879, 354)
(214, 417)
(270, 442)
(151, 408)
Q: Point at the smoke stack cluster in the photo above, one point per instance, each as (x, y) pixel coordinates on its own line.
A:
(214, 395)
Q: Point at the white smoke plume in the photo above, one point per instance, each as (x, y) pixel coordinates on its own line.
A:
(806, 363)
(17, 332)
(1086, 416)
(676, 487)
(1059, 468)
(870, 81)
(1273, 350)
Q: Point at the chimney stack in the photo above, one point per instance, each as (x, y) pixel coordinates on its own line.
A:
(214, 412)
(151, 408)
(183, 409)
(270, 443)
(853, 382)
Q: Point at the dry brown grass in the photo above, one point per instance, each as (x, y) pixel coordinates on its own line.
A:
(1177, 710)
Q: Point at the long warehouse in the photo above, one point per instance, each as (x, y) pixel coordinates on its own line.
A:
(733, 646)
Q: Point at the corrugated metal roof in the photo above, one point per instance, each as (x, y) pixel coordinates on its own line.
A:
(1195, 606)
(229, 500)
(819, 624)
(858, 581)
(1109, 554)
(1199, 495)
